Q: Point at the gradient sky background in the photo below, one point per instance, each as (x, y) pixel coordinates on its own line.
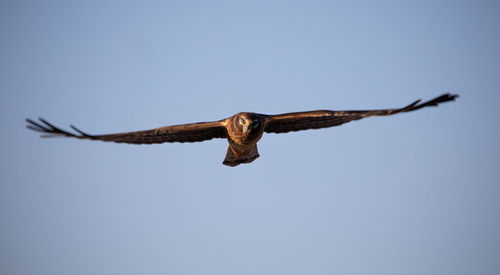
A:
(416, 193)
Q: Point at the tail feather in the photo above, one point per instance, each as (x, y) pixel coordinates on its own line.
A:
(235, 159)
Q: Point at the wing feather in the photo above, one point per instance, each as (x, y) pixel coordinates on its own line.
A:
(192, 132)
(283, 123)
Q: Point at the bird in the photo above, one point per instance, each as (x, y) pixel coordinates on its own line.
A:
(242, 130)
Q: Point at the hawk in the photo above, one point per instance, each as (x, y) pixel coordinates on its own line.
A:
(243, 130)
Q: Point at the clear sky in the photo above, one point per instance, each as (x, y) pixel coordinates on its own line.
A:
(416, 193)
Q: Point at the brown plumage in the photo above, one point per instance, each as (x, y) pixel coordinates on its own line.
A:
(242, 130)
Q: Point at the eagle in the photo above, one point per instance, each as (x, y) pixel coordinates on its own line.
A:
(242, 130)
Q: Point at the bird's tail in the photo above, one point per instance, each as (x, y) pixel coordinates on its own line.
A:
(234, 159)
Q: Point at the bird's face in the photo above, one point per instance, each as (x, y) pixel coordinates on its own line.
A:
(250, 125)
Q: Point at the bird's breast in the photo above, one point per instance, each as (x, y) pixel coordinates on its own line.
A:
(244, 138)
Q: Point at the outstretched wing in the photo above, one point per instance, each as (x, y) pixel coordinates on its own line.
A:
(321, 119)
(177, 133)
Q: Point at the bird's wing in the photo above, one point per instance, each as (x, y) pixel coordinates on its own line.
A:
(283, 123)
(177, 133)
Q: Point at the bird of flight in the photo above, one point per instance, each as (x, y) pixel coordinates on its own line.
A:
(242, 130)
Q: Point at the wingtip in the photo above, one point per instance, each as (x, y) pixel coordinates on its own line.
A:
(43, 120)
(450, 95)
(30, 121)
(79, 131)
(446, 97)
(413, 104)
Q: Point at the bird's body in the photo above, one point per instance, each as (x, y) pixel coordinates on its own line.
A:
(242, 130)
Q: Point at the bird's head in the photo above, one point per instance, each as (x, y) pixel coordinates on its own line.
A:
(250, 125)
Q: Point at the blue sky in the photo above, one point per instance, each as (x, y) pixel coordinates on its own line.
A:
(415, 193)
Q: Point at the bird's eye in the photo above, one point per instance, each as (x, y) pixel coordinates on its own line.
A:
(242, 120)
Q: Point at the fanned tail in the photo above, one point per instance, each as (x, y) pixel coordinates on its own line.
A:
(234, 158)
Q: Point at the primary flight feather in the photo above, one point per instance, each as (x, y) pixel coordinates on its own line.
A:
(242, 130)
